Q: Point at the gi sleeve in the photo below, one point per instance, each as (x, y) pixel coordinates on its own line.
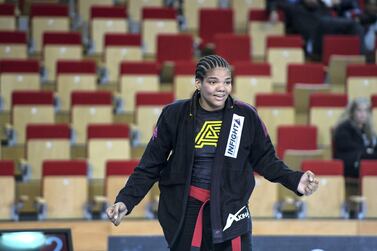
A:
(265, 162)
(153, 160)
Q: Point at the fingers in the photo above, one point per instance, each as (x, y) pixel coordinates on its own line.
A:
(311, 183)
(116, 212)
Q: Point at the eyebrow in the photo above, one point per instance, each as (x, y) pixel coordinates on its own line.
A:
(216, 78)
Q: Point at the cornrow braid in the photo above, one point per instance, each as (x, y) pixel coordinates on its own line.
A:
(208, 63)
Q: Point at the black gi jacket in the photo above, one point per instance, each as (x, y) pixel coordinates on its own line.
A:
(243, 147)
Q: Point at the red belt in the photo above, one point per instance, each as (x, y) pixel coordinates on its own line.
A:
(203, 195)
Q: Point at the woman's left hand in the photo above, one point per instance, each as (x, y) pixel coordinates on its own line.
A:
(308, 183)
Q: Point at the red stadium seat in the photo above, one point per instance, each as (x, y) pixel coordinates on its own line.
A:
(17, 74)
(157, 21)
(58, 46)
(282, 51)
(325, 111)
(120, 48)
(232, 47)
(213, 21)
(174, 47)
(296, 137)
(361, 80)
(184, 79)
(339, 45)
(107, 142)
(259, 28)
(47, 17)
(106, 19)
(90, 107)
(251, 79)
(31, 107)
(13, 45)
(8, 17)
(305, 74)
(136, 77)
(44, 142)
(72, 176)
(275, 109)
(74, 75)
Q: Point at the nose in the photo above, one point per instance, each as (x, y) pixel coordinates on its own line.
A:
(221, 86)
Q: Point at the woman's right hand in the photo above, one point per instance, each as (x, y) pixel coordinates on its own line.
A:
(116, 212)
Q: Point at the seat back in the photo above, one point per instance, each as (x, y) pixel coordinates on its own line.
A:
(275, 109)
(250, 80)
(213, 21)
(17, 75)
(296, 137)
(47, 17)
(106, 19)
(46, 142)
(305, 74)
(184, 79)
(157, 21)
(233, 47)
(337, 70)
(107, 142)
(135, 8)
(65, 186)
(84, 7)
(137, 77)
(259, 28)
(74, 75)
(120, 48)
(301, 94)
(339, 45)
(174, 47)
(368, 175)
(31, 107)
(325, 111)
(7, 17)
(8, 187)
(90, 107)
(282, 51)
(331, 189)
(117, 174)
(191, 11)
(148, 108)
(13, 45)
(241, 10)
(361, 81)
(60, 46)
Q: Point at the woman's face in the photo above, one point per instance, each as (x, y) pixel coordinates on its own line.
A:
(361, 114)
(215, 88)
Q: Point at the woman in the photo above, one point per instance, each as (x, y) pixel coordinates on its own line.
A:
(203, 152)
(354, 137)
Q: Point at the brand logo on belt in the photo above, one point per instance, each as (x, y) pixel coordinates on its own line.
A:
(236, 217)
(234, 138)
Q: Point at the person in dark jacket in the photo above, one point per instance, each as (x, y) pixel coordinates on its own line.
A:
(203, 153)
(354, 137)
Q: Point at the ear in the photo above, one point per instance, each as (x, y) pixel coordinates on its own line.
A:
(198, 84)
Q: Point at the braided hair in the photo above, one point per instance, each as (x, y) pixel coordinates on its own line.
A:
(208, 63)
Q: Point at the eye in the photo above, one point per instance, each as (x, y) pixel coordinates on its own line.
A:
(211, 82)
(228, 82)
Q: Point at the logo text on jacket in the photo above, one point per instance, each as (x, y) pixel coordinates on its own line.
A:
(236, 217)
(234, 138)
